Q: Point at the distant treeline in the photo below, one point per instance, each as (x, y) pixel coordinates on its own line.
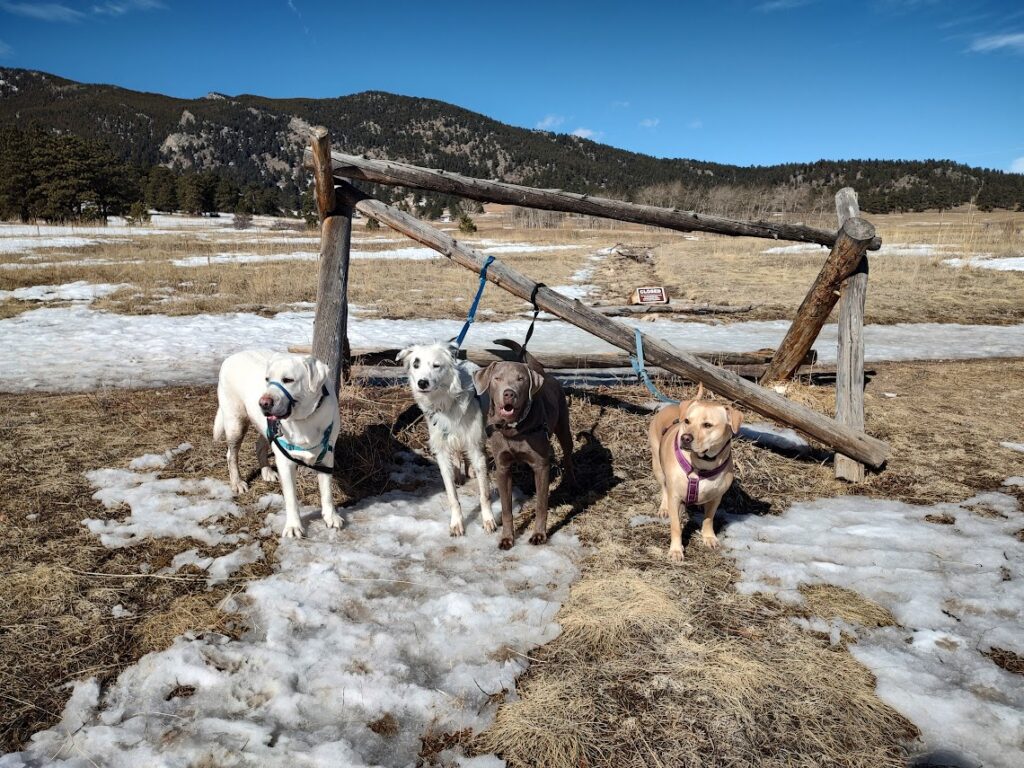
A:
(61, 177)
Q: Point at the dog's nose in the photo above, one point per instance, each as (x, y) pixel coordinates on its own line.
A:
(422, 383)
(509, 394)
(266, 403)
(686, 439)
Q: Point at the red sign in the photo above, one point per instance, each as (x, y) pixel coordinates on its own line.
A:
(651, 294)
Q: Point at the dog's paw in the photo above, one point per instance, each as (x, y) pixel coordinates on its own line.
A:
(240, 487)
(489, 525)
(292, 531)
(662, 511)
(505, 543)
(269, 474)
(456, 529)
(675, 554)
(710, 540)
(334, 521)
(538, 538)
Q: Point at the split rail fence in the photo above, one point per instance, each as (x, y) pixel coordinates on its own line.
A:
(843, 280)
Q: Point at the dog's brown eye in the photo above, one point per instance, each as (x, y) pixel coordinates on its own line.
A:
(416, 363)
(707, 425)
(267, 379)
(287, 381)
(686, 421)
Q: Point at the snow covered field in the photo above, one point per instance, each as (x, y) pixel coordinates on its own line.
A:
(78, 348)
(952, 575)
(386, 621)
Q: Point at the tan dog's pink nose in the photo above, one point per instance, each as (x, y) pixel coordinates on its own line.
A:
(266, 403)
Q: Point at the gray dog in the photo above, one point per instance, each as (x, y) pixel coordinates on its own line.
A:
(526, 407)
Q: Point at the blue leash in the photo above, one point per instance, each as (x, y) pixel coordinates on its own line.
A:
(476, 302)
(637, 361)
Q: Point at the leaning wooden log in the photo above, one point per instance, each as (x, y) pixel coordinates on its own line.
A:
(330, 326)
(853, 240)
(659, 353)
(563, 360)
(850, 360)
(404, 175)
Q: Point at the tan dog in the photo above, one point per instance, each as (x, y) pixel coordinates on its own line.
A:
(691, 451)
(526, 407)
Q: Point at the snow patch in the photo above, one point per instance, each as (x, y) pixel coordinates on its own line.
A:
(956, 590)
(158, 460)
(80, 290)
(389, 616)
(1003, 264)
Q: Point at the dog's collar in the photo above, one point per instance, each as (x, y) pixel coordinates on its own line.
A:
(694, 475)
(292, 401)
(510, 430)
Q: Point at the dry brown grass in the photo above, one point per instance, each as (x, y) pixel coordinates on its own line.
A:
(658, 664)
(831, 602)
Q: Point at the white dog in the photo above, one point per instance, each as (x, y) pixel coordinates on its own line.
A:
(443, 389)
(288, 400)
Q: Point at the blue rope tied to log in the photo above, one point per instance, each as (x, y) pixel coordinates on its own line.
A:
(637, 361)
(476, 302)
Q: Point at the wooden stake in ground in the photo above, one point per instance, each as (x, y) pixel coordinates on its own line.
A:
(658, 353)
(850, 362)
(330, 328)
(405, 175)
(854, 237)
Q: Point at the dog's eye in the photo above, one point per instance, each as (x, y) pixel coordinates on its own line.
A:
(267, 379)
(288, 381)
(416, 363)
(707, 425)
(686, 421)
(437, 365)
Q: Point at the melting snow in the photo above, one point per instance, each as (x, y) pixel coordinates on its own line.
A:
(1014, 446)
(77, 291)
(1003, 264)
(77, 348)
(389, 616)
(956, 591)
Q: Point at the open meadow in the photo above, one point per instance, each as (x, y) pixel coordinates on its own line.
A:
(142, 607)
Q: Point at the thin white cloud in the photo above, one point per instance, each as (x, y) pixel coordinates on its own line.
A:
(586, 133)
(121, 7)
(620, 105)
(649, 122)
(695, 124)
(550, 122)
(1013, 42)
(1017, 166)
(782, 5)
(44, 11)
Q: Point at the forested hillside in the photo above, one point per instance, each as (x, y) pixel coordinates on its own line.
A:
(246, 151)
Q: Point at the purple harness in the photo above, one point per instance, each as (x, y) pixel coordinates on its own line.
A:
(693, 483)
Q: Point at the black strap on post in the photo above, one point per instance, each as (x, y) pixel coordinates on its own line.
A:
(536, 311)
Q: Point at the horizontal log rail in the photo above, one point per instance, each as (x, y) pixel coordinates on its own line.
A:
(405, 175)
(864, 448)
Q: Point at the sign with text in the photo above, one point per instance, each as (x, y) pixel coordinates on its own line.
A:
(651, 294)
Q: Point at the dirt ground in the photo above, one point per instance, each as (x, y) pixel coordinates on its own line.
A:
(658, 664)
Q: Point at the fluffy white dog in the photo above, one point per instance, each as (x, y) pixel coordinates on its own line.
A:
(443, 389)
(288, 400)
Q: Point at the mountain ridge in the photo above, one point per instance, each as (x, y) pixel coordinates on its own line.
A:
(258, 139)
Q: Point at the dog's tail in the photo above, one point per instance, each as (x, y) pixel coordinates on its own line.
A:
(526, 357)
(218, 428)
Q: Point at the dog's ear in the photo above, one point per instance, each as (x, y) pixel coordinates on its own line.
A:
(453, 349)
(536, 382)
(317, 371)
(684, 406)
(402, 354)
(735, 419)
(482, 378)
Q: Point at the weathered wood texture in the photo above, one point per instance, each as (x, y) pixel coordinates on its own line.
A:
(402, 174)
(562, 360)
(659, 353)
(330, 326)
(850, 361)
(854, 236)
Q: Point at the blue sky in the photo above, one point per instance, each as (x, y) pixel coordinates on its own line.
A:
(734, 81)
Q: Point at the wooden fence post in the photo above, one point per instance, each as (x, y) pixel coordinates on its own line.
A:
(850, 362)
(855, 236)
(330, 328)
